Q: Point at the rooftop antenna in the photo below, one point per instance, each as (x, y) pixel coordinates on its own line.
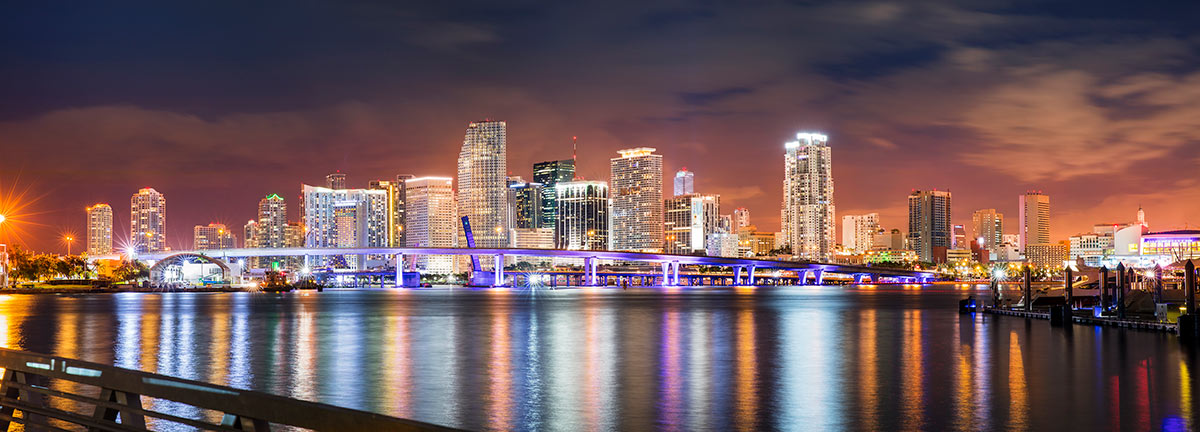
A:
(574, 156)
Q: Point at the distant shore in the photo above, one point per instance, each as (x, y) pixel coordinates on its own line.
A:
(85, 289)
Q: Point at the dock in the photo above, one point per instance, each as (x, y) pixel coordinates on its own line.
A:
(1110, 322)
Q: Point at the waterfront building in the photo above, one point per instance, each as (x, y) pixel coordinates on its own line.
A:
(525, 200)
(893, 239)
(1171, 246)
(531, 238)
(293, 237)
(1048, 255)
(482, 182)
(637, 201)
(212, 236)
(858, 231)
(342, 218)
(684, 182)
(250, 234)
(741, 218)
(988, 224)
(958, 256)
(268, 231)
(432, 220)
(549, 174)
(725, 224)
(148, 221)
(688, 220)
(395, 190)
(722, 245)
(1034, 224)
(583, 215)
(335, 181)
(929, 224)
(808, 211)
(99, 230)
(1092, 247)
(752, 242)
(890, 256)
(960, 238)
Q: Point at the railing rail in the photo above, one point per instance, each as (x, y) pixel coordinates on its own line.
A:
(117, 393)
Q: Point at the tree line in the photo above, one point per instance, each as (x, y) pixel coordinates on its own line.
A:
(28, 266)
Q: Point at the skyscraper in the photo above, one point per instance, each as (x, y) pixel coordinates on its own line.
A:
(395, 203)
(929, 232)
(336, 218)
(212, 236)
(582, 219)
(636, 222)
(432, 220)
(148, 221)
(99, 230)
(336, 180)
(272, 220)
(688, 221)
(250, 234)
(858, 231)
(526, 201)
(1034, 224)
(482, 182)
(549, 174)
(988, 224)
(741, 218)
(684, 182)
(808, 211)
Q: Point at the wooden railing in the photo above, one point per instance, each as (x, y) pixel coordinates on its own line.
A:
(45, 392)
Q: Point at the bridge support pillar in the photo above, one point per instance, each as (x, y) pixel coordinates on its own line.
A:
(675, 273)
(802, 277)
(399, 270)
(820, 277)
(499, 281)
(737, 275)
(752, 268)
(589, 271)
(666, 277)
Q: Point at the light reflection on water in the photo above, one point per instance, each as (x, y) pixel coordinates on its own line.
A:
(686, 359)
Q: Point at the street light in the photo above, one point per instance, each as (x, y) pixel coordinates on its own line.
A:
(68, 239)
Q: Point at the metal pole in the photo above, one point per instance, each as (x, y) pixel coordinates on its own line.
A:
(1189, 286)
(1120, 297)
(1028, 288)
(1104, 288)
(1070, 296)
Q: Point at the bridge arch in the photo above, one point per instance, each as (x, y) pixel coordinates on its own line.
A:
(169, 269)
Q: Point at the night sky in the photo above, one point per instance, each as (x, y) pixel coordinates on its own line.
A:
(217, 104)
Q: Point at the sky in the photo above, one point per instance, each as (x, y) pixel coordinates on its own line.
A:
(219, 103)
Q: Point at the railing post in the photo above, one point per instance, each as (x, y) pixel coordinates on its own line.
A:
(11, 392)
(247, 424)
(128, 417)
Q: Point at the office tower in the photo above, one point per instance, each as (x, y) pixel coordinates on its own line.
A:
(395, 203)
(722, 245)
(858, 231)
(583, 218)
(269, 231)
(684, 182)
(336, 180)
(725, 224)
(741, 218)
(148, 221)
(688, 221)
(893, 239)
(959, 240)
(250, 234)
(808, 212)
(526, 204)
(929, 224)
(432, 220)
(293, 237)
(343, 218)
(1034, 224)
(99, 230)
(549, 174)
(482, 188)
(988, 224)
(212, 236)
(636, 222)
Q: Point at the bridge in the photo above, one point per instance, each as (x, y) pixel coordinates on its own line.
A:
(744, 269)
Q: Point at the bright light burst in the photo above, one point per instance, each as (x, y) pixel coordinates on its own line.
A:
(17, 213)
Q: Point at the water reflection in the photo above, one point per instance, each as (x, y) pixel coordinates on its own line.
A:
(690, 359)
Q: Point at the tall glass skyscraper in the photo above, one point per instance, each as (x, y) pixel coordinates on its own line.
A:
(342, 218)
(684, 182)
(582, 220)
(549, 174)
(526, 201)
(148, 221)
(929, 231)
(1034, 223)
(99, 230)
(636, 222)
(807, 214)
(689, 220)
(483, 183)
(432, 220)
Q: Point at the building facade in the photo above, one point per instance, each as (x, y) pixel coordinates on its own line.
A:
(99, 230)
(212, 236)
(741, 218)
(858, 232)
(722, 245)
(1048, 255)
(395, 204)
(549, 174)
(637, 201)
(432, 220)
(1092, 247)
(525, 199)
(808, 209)
(988, 224)
(342, 218)
(929, 231)
(336, 180)
(148, 221)
(1034, 224)
(688, 221)
(685, 182)
(482, 182)
(583, 215)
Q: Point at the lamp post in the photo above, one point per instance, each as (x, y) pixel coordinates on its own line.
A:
(68, 239)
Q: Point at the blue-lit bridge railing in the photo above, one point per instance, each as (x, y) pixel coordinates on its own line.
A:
(45, 392)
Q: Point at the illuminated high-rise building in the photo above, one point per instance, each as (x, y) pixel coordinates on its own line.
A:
(858, 232)
(741, 218)
(808, 211)
(549, 174)
(212, 236)
(988, 224)
(929, 231)
(636, 221)
(685, 182)
(336, 180)
(688, 220)
(583, 217)
(99, 230)
(148, 221)
(343, 218)
(526, 203)
(395, 203)
(432, 220)
(482, 182)
(269, 230)
(250, 234)
(1034, 224)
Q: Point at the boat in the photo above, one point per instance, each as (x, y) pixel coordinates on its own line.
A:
(274, 281)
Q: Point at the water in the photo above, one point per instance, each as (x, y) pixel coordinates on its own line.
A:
(806, 358)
